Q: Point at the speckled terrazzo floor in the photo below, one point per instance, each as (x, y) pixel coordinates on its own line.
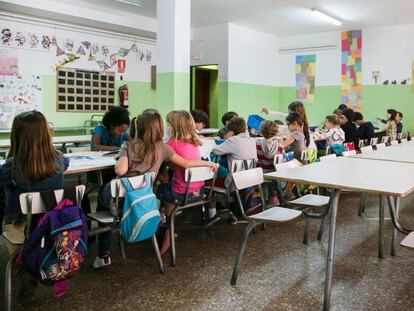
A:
(278, 272)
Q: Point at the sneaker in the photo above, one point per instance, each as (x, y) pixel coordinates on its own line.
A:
(102, 261)
(212, 221)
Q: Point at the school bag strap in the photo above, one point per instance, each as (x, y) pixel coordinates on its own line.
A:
(49, 198)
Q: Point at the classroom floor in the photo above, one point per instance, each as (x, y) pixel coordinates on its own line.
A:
(278, 272)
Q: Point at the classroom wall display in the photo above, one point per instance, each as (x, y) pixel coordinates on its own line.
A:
(351, 69)
(18, 94)
(105, 56)
(84, 90)
(8, 65)
(305, 78)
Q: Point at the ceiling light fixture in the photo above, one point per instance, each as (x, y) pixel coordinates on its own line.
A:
(139, 3)
(325, 17)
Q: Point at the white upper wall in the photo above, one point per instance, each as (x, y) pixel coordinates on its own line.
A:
(210, 46)
(173, 35)
(389, 50)
(252, 56)
(243, 55)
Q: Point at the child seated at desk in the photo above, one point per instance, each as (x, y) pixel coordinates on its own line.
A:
(113, 132)
(144, 153)
(335, 134)
(269, 146)
(225, 120)
(299, 138)
(366, 130)
(32, 165)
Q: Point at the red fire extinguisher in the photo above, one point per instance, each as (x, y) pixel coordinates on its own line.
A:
(123, 95)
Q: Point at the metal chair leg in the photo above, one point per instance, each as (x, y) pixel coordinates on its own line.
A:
(364, 198)
(239, 257)
(8, 280)
(394, 231)
(122, 246)
(172, 238)
(320, 232)
(305, 234)
(157, 254)
(381, 228)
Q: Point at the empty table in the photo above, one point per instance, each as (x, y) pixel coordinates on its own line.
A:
(355, 175)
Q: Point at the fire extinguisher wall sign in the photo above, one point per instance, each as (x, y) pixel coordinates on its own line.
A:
(123, 96)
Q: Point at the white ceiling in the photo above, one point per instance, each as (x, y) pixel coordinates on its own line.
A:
(279, 17)
(286, 17)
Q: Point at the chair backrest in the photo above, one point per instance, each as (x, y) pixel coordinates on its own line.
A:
(328, 150)
(361, 143)
(136, 182)
(404, 140)
(198, 174)
(394, 142)
(385, 139)
(399, 135)
(78, 149)
(373, 141)
(278, 159)
(287, 165)
(248, 178)
(348, 153)
(328, 157)
(366, 149)
(241, 165)
(34, 200)
(380, 146)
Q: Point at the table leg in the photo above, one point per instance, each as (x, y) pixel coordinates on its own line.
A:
(381, 228)
(394, 205)
(331, 249)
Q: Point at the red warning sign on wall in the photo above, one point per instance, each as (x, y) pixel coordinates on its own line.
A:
(121, 65)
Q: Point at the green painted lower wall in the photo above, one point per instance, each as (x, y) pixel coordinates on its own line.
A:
(173, 91)
(376, 99)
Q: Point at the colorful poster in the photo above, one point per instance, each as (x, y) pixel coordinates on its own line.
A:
(351, 69)
(9, 66)
(305, 78)
(18, 94)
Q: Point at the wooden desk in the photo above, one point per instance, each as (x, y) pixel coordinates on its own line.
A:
(357, 175)
(403, 154)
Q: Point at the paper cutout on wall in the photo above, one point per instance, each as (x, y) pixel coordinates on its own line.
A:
(46, 42)
(69, 59)
(6, 36)
(81, 51)
(59, 51)
(34, 40)
(20, 39)
(351, 69)
(305, 78)
(9, 66)
(18, 95)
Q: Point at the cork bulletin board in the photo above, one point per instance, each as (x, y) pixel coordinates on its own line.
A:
(84, 90)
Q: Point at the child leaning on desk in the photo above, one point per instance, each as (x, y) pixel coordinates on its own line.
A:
(335, 134)
(144, 152)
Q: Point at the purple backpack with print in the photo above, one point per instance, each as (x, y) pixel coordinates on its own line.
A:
(57, 246)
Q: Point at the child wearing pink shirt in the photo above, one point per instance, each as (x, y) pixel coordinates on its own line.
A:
(184, 141)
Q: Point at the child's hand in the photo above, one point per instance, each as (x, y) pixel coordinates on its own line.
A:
(214, 166)
(265, 111)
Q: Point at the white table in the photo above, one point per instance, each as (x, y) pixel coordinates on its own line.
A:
(401, 154)
(84, 162)
(356, 175)
(88, 162)
(209, 131)
(78, 139)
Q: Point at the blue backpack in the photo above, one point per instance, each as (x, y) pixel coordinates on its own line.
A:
(140, 217)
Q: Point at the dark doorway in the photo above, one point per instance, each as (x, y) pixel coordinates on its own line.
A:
(202, 90)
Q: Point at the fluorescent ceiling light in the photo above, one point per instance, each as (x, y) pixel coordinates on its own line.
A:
(325, 17)
(133, 2)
